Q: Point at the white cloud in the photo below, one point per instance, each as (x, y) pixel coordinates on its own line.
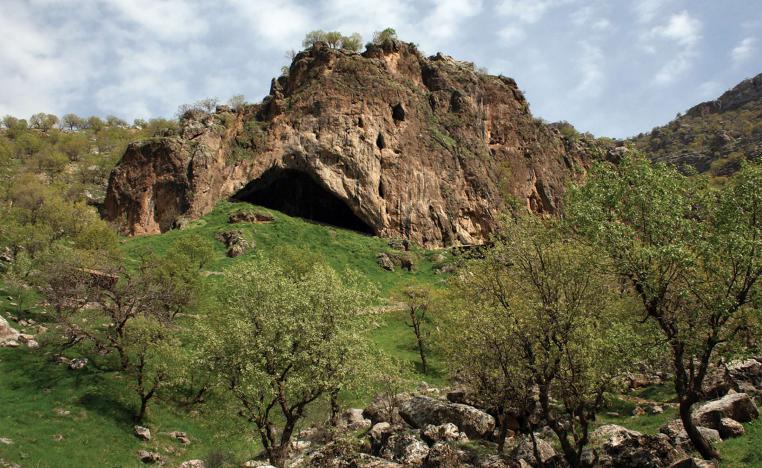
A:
(681, 28)
(681, 31)
(511, 35)
(527, 11)
(444, 19)
(169, 20)
(647, 10)
(278, 23)
(744, 50)
(590, 64)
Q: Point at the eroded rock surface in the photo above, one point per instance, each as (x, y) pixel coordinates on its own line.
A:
(387, 142)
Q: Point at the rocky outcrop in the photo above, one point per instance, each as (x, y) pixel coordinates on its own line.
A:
(387, 142)
(737, 406)
(8, 336)
(625, 448)
(420, 411)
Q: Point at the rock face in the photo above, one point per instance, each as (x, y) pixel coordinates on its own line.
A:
(386, 142)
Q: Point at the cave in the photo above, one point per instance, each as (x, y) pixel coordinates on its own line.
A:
(297, 194)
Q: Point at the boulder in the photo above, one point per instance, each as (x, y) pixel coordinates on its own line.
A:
(385, 408)
(625, 448)
(78, 363)
(379, 434)
(193, 464)
(405, 448)
(693, 463)
(354, 419)
(447, 432)
(9, 337)
(249, 217)
(443, 455)
(679, 437)
(743, 376)
(737, 406)
(730, 428)
(257, 464)
(385, 261)
(142, 433)
(420, 411)
(235, 242)
(150, 457)
(181, 437)
(523, 449)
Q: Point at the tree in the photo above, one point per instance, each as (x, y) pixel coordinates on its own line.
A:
(237, 102)
(352, 43)
(691, 253)
(280, 342)
(312, 37)
(419, 302)
(71, 122)
(42, 121)
(333, 39)
(538, 314)
(382, 37)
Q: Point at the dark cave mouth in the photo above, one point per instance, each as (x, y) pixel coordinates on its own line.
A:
(297, 194)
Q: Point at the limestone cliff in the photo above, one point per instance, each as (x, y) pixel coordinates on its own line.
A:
(388, 142)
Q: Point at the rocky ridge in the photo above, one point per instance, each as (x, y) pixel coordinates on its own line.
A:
(386, 142)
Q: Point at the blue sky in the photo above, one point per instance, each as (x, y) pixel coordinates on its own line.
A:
(615, 68)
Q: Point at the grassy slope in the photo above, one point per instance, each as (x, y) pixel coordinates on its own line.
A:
(98, 430)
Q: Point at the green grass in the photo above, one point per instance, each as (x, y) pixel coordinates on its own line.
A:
(98, 431)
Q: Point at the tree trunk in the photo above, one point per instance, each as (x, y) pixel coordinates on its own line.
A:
(699, 442)
(424, 364)
(335, 408)
(503, 433)
(143, 408)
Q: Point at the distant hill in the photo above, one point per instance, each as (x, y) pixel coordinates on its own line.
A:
(713, 136)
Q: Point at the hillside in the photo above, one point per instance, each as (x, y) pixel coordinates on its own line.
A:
(713, 136)
(387, 142)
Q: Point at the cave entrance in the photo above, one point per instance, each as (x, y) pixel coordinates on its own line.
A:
(297, 194)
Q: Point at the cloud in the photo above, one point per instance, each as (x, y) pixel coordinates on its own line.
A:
(443, 21)
(589, 16)
(512, 35)
(682, 31)
(527, 11)
(167, 20)
(278, 24)
(744, 50)
(590, 65)
(647, 10)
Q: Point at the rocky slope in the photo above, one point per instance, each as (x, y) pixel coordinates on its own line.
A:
(386, 142)
(713, 136)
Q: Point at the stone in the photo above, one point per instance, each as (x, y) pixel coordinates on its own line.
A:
(693, 463)
(354, 419)
(679, 437)
(322, 123)
(6, 441)
(405, 448)
(385, 262)
(181, 437)
(743, 376)
(193, 464)
(249, 217)
(150, 457)
(638, 411)
(385, 408)
(235, 242)
(257, 464)
(78, 363)
(522, 448)
(625, 448)
(737, 406)
(9, 337)
(379, 435)
(32, 344)
(142, 433)
(61, 412)
(656, 409)
(443, 455)
(447, 432)
(730, 428)
(420, 411)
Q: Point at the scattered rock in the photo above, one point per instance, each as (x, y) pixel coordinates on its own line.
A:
(656, 409)
(249, 217)
(149, 457)
(742, 376)
(257, 464)
(730, 428)
(58, 437)
(679, 437)
(6, 441)
(737, 406)
(522, 448)
(384, 261)
(61, 411)
(235, 242)
(78, 363)
(405, 448)
(443, 433)
(193, 464)
(9, 337)
(354, 420)
(32, 344)
(443, 455)
(379, 435)
(181, 437)
(638, 411)
(693, 463)
(142, 433)
(420, 411)
(625, 448)
(385, 408)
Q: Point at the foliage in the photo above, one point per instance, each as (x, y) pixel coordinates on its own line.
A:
(384, 36)
(279, 342)
(419, 301)
(333, 39)
(539, 314)
(691, 253)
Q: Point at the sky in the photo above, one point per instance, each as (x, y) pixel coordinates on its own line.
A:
(611, 67)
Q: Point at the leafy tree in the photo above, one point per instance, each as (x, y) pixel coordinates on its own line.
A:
(237, 102)
(114, 121)
(333, 39)
(312, 37)
(42, 121)
(539, 313)
(692, 255)
(352, 43)
(71, 122)
(74, 145)
(382, 37)
(280, 342)
(419, 301)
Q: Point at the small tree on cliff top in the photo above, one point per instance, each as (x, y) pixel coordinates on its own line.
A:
(691, 253)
